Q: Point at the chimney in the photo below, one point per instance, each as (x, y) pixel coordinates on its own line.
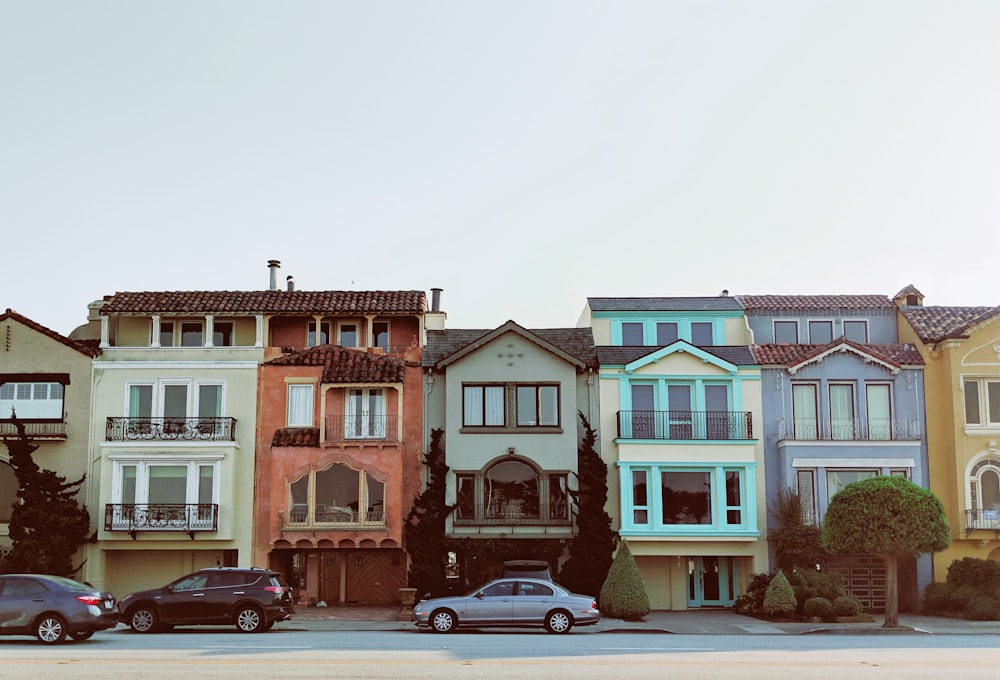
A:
(436, 299)
(274, 266)
(290, 282)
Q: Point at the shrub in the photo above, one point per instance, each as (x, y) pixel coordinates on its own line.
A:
(779, 600)
(809, 583)
(937, 598)
(846, 605)
(982, 609)
(983, 575)
(752, 601)
(960, 597)
(819, 608)
(623, 595)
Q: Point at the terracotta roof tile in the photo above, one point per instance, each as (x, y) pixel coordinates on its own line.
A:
(296, 436)
(772, 303)
(775, 354)
(344, 365)
(934, 324)
(267, 302)
(83, 348)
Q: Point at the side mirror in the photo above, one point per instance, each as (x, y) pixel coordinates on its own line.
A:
(479, 595)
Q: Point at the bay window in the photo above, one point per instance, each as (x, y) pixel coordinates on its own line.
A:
(512, 492)
(337, 494)
(32, 400)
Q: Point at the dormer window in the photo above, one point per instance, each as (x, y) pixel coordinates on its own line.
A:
(666, 333)
(701, 333)
(856, 331)
(786, 332)
(820, 332)
(632, 334)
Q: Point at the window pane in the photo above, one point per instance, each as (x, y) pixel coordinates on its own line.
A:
(820, 332)
(558, 497)
(786, 332)
(807, 493)
(993, 398)
(206, 484)
(466, 508)
(209, 401)
(733, 498)
(191, 335)
(526, 407)
(666, 333)
(639, 496)
(701, 333)
(128, 484)
(879, 420)
(548, 402)
(348, 335)
(632, 334)
(838, 479)
(374, 498)
(174, 401)
(168, 484)
(972, 415)
(511, 489)
(299, 490)
(842, 411)
(166, 334)
(380, 331)
(313, 340)
(804, 411)
(494, 405)
(140, 401)
(686, 497)
(222, 334)
(473, 406)
(337, 493)
(856, 331)
(300, 403)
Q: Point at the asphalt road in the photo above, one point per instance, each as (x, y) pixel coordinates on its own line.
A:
(283, 654)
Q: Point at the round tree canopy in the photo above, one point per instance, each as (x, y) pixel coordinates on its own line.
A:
(885, 515)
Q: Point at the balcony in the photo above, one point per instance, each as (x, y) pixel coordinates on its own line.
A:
(170, 429)
(847, 429)
(988, 520)
(186, 517)
(332, 517)
(372, 427)
(685, 425)
(512, 513)
(34, 430)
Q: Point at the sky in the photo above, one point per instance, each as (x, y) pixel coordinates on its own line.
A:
(520, 155)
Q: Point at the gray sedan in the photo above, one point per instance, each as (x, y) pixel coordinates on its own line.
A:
(508, 602)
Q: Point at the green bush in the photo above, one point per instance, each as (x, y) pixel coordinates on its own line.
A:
(983, 575)
(982, 609)
(819, 608)
(937, 598)
(846, 605)
(961, 596)
(779, 600)
(623, 595)
(752, 601)
(809, 583)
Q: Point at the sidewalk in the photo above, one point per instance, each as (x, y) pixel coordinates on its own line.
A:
(693, 622)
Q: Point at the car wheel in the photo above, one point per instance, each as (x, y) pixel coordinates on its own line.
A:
(50, 629)
(82, 635)
(143, 619)
(558, 621)
(443, 621)
(249, 620)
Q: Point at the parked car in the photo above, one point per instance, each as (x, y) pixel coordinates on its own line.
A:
(509, 602)
(52, 607)
(251, 599)
(527, 569)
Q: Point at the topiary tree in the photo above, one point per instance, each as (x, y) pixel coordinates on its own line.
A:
(623, 595)
(423, 531)
(890, 517)
(779, 600)
(47, 524)
(797, 544)
(590, 553)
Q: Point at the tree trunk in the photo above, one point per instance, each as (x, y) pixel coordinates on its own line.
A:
(891, 591)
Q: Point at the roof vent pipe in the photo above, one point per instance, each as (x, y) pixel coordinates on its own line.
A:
(290, 282)
(274, 266)
(436, 299)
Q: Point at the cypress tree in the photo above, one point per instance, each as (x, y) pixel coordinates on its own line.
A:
(590, 553)
(424, 530)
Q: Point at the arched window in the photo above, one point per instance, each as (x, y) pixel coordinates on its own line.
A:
(337, 493)
(512, 491)
(984, 484)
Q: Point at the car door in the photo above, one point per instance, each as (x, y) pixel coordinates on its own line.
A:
(222, 590)
(494, 604)
(183, 601)
(21, 599)
(532, 602)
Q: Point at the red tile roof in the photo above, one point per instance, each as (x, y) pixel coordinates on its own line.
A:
(81, 347)
(296, 436)
(814, 302)
(268, 302)
(344, 365)
(934, 324)
(896, 354)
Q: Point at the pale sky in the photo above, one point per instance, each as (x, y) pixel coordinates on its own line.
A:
(520, 155)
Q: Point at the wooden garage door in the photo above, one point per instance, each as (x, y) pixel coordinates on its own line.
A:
(863, 577)
(374, 577)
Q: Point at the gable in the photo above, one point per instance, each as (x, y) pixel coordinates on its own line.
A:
(681, 358)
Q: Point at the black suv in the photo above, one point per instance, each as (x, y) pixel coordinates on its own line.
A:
(251, 599)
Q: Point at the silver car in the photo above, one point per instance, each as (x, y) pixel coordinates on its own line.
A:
(52, 607)
(509, 602)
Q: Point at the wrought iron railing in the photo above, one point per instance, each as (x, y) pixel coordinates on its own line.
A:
(170, 429)
(685, 425)
(557, 513)
(186, 517)
(324, 516)
(34, 429)
(982, 519)
(365, 426)
(848, 429)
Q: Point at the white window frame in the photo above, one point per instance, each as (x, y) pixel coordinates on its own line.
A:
(144, 463)
(158, 388)
(305, 393)
(24, 407)
(341, 325)
(372, 421)
(312, 337)
(983, 385)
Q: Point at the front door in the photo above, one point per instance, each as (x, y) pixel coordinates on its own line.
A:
(711, 582)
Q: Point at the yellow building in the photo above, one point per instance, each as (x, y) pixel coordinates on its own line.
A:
(961, 350)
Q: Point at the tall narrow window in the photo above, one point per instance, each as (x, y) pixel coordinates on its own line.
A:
(679, 416)
(642, 424)
(640, 497)
(717, 416)
(380, 335)
(300, 405)
(365, 416)
(632, 334)
(175, 399)
(993, 399)
(734, 498)
(879, 412)
(140, 401)
(804, 411)
(466, 493)
(806, 480)
(972, 412)
(842, 411)
(166, 334)
(318, 334)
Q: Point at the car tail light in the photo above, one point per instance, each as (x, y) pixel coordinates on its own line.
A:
(593, 604)
(90, 599)
(277, 590)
